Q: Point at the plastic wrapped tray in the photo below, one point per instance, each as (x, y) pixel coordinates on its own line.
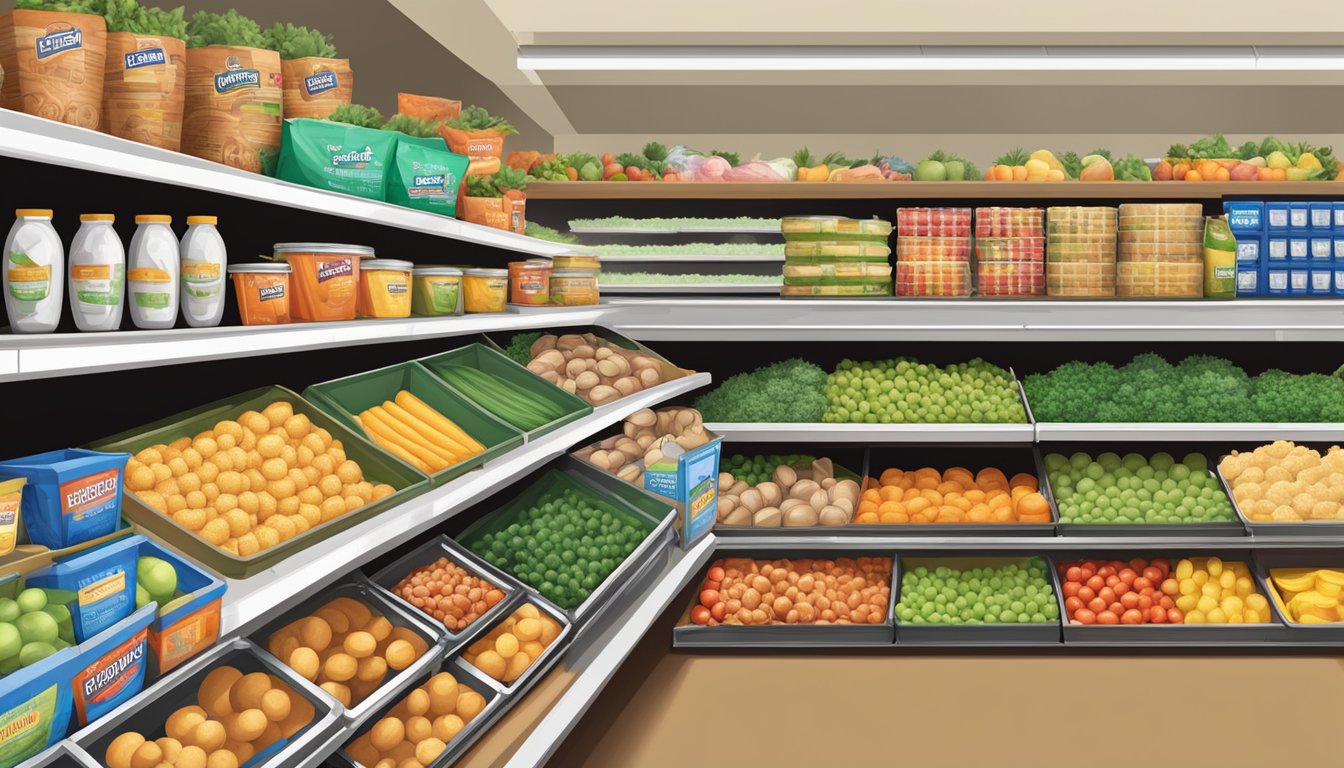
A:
(385, 580)
(1009, 222)
(1010, 248)
(148, 713)
(1160, 237)
(834, 228)
(934, 249)
(1079, 220)
(933, 222)
(378, 467)
(977, 634)
(933, 278)
(837, 250)
(853, 269)
(1010, 278)
(687, 634)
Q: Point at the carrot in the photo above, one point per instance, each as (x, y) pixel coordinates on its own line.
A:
(437, 420)
(375, 433)
(408, 439)
(427, 431)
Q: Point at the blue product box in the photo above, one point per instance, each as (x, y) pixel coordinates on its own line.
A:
(1276, 281)
(189, 623)
(1276, 248)
(1321, 216)
(72, 495)
(1250, 247)
(1339, 247)
(103, 580)
(1276, 216)
(1339, 282)
(1248, 280)
(692, 484)
(36, 700)
(1337, 211)
(1321, 280)
(1321, 248)
(113, 666)
(1299, 281)
(1299, 246)
(1299, 215)
(1245, 215)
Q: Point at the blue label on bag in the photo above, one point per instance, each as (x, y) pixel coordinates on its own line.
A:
(60, 37)
(320, 82)
(235, 77)
(146, 57)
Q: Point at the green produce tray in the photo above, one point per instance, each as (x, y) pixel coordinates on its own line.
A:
(496, 363)
(654, 515)
(378, 467)
(346, 398)
(1025, 633)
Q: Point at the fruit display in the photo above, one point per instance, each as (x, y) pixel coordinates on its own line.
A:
(33, 625)
(514, 645)
(421, 726)
(1309, 595)
(1160, 251)
(417, 434)
(1201, 388)
(743, 591)
(1010, 251)
(563, 545)
(926, 495)
(251, 483)
(1212, 158)
(648, 438)
(236, 716)
(448, 592)
(1286, 483)
(1201, 590)
(592, 367)
(1080, 251)
(754, 470)
(1017, 165)
(1111, 490)
(789, 391)
(906, 391)
(345, 648)
(516, 405)
(946, 166)
(791, 498)
(952, 592)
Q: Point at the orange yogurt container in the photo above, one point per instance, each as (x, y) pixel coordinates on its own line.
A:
(385, 288)
(325, 280)
(263, 292)
(530, 282)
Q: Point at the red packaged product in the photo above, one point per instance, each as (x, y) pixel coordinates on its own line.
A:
(1009, 222)
(1010, 278)
(933, 279)
(1010, 249)
(933, 222)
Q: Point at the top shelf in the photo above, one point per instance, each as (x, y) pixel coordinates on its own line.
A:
(927, 190)
(45, 141)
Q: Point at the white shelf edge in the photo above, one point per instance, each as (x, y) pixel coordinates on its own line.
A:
(27, 137)
(247, 602)
(821, 432)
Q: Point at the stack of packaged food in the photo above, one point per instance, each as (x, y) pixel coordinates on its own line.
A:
(933, 252)
(836, 256)
(1080, 251)
(1010, 251)
(1161, 250)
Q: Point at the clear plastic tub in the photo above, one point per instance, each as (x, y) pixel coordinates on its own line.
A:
(836, 250)
(844, 269)
(869, 289)
(933, 278)
(1159, 280)
(937, 249)
(933, 222)
(1168, 252)
(1080, 280)
(1010, 249)
(1009, 222)
(834, 228)
(1163, 236)
(1161, 210)
(1183, 224)
(1010, 278)
(1079, 220)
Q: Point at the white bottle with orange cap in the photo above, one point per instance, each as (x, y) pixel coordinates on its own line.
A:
(33, 273)
(97, 274)
(152, 273)
(204, 259)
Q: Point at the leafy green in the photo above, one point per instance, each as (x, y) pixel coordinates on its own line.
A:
(95, 7)
(1248, 150)
(789, 391)
(549, 170)
(358, 114)
(577, 160)
(131, 16)
(295, 42)
(803, 158)
(1073, 164)
(519, 348)
(496, 185)
(543, 232)
(627, 159)
(733, 158)
(655, 151)
(837, 160)
(474, 118)
(1016, 156)
(1131, 168)
(1106, 153)
(1211, 147)
(1272, 144)
(231, 28)
(412, 126)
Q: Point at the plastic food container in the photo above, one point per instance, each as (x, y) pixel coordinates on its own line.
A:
(189, 623)
(325, 279)
(1161, 210)
(103, 577)
(1159, 279)
(577, 261)
(1009, 222)
(1144, 224)
(1023, 633)
(1079, 220)
(1148, 236)
(1010, 248)
(1010, 278)
(933, 278)
(866, 289)
(436, 291)
(834, 228)
(1080, 280)
(1170, 252)
(933, 222)
(11, 504)
(530, 282)
(71, 496)
(385, 288)
(836, 250)
(949, 249)
(262, 291)
(574, 287)
(844, 269)
(485, 290)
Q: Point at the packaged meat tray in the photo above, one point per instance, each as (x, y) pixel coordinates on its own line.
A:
(1159, 280)
(1010, 278)
(1174, 252)
(834, 228)
(938, 249)
(933, 278)
(1010, 249)
(1080, 280)
(833, 249)
(933, 222)
(1079, 220)
(1009, 222)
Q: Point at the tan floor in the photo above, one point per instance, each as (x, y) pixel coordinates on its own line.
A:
(959, 710)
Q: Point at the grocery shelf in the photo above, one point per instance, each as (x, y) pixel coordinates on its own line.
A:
(1157, 432)
(45, 141)
(64, 354)
(248, 601)
(927, 190)
(871, 434)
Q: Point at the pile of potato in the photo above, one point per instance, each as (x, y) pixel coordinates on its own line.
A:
(593, 368)
(648, 438)
(792, 498)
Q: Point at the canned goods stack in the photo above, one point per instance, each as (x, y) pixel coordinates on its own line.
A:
(836, 256)
(1010, 251)
(1161, 250)
(1080, 251)
(933, 252)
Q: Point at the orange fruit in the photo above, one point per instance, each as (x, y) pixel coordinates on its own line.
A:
(950, 515)
(867, 507)
(991, 474)
(979, 514)
(1019, 492)
(892, 476)
(890, 508)
(948, 486)
(891, 493)
(866, 517)
(873, 495)
(959, 475)
(917, 504)
(927, 516)
(910, 493)
(924, 472)
(928, 483)
(999, 500)
(1022, 478)
(933, 496)
(894, 517)
(960, 502)
(975, 496)
(1033, 504)
(1002, 514)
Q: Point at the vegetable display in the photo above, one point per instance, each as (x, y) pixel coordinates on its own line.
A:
(904, 390)
(754, 470)
(1212, 158)
(802, 591)
(992, 594)
(411, 126)
(358, 114)
(500, 183)
(1310, 596)
(1201, 590)
(295, 42)
(1110, 490)
(508, 401)
(592, 367)
(1286, 483)
(543, 232)
(926, 495)
(230, 28)
(474, 118)
(695, 249)
(131, 16)
(789, 391)
(793, 497)
(417, 434)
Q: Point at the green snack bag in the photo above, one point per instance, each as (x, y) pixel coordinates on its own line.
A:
(1220, 259)
(337, 156)
(425, 175)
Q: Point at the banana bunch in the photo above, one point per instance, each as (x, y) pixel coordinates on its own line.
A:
(1311, 596)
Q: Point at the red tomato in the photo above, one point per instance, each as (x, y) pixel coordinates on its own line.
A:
(719, 611)
(1131, 617)
(710, 585)
(709, 597)
(1106, 617)
(1166, 602)
(1163, 565)
(715, 574)
(1129, 600)
(1086, 594)
(1071, 588)
(1107, 594)
(1138, 564)
(1112, 580)
(1157, 615)
(1145, 602)
(1086, 574)
(1074, 573)
(700, 614)
(1123, 589)
(1175, 616)
(1072, 604)
(1096, 583)
(1085, 616)
(1128, 575)
(1171, 587)
(1116, 608)
(1152, 574)
(1097, 604)
(1141, 582)
(1106, 570)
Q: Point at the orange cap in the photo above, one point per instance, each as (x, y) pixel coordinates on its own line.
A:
(34, 213)
(97, 217)
(153, 218)
(202, 220)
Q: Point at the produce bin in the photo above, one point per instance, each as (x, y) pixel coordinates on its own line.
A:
(443, 546)
(495, 363)
(669, 371)
(27, 558)
(1009, 635)
(654, 515)
(1295, 631)
(1231, 528)
(496, 704)
(344, 399)
(397, 613)
(39, 694)
(377, 468)
(112, 666)
(147, 714)
(1259, 528)
(105, 579)
(189, 623)
(543, 663)
(687, 634)
(1170, 635)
